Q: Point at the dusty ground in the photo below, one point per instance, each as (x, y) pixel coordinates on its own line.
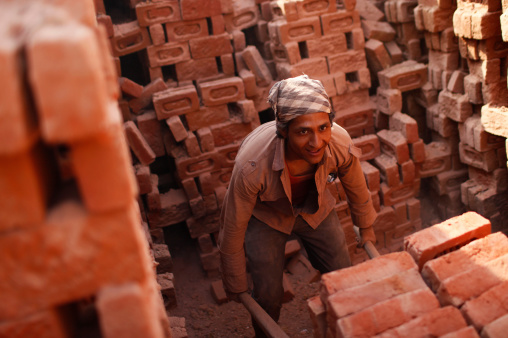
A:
(205, 318)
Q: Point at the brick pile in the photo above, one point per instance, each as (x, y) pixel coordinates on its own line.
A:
(71, 238)
(449, 281)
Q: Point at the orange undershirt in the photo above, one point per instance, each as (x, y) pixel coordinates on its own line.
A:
(300, 186)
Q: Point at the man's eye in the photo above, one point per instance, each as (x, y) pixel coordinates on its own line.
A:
(323, 128)
(303, 132)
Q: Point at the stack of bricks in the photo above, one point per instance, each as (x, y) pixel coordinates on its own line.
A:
(450, 280)
(71, 238)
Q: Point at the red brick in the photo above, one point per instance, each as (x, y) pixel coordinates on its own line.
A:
(289, 292)
(130, 87)
(431, 242)
(222, 91)
(174, 209)
(355, 299)
(218, 292)
(186, 30)
(207, 116)
(47, 323)
(210, 46)
(229, 132)
(168, 53)
(388, 314)
(494, 119)
(204, 225)
(466, 332)
(163, 258)
(437, 159)
(257, 65)
(369, 271)
(49, 259)
(115, 306)
(157, 34)
(175, 101)
(146, 97)
(347, 62)
(325, 45)
(377, 55)
(308, 8)
(314, 68)
(129, 38)
(487, 160)
(448, 181)
(198, 9)
(405, 76)
(317, 313)
(103, 170)
(369, 11)
(369, 145)
(435, 19)
(191, 145)
(497, 328)
(153, 198)
(394, 144)
(69, 108)
(241, 18)
(399, 193)
(388, 169)
(455, 106)
(389, 101)
(195, 166)
(378, 30)
(177, 128)
(26, 184)
(435, 323)
(167, 289)
(227, 64)
(143, 178)
(372, 176)
(290, 52)
(150, 128)
(488, 307)
(282, 31)
(158, 12)
(342, 21)
(205, 139)
(138, 144)
(406, 125)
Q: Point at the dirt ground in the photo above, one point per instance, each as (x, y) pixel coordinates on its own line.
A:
(205, 318)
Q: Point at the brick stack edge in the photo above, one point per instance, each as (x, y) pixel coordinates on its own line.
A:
(423, 98)
(71, 236)
(449, 281)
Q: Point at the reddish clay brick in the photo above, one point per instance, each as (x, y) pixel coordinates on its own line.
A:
(437, 159)
(143, 178)
(130, 87)
(129, 38)
(157, 34)
(477, 252)
(389, 101)
(207, 116)
(69, 108)
(371, 174)
(115, 306)
(455, 106)
(197, 9)
(342, 21)
(210, 46)
(388, 314)
(369, 271)
(394, 144)
(378, 30)
(146, 97)
(150, 128)
(315, 67)
(204, 225)
(186, 30)
(289, 292)
(443, 237)
(355, 299)
(177, 128)
(466, 332)
(257, 65)
(317, 313)
(405, 76)
(241, 18)
(486, 160)
(388, 169)
(347, 62)
(103, 170)
(488, 307)
(47, 323)
(222, 91)
(377, 55)
(175, 101)
(138, 144)
(153, 198)
(399, 193)
(191, 145)
(174, 209)
(218, 293)
(168, 53)
(93, 234)
(205, 139)
(497, 328)
(369, 145)
(158, 12)
(358, 120)
(163, 258)
(195, 166)
(282, 31)
(369, 11)
(326, 45)
(406, 125)
(435, 323)
(196, 69)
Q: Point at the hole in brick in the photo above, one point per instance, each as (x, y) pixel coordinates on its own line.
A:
(349, 40)
(210, 26)
(120, 11)
(169, 73)
(352, 77)
(304, 52)
(219, 64)
(250, 37)
(133, 68)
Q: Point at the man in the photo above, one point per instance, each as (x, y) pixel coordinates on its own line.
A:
(279, 187)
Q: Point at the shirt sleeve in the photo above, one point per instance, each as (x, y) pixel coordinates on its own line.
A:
(355, 186)
(236, 211)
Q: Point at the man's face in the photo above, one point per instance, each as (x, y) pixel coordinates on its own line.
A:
(307, 137)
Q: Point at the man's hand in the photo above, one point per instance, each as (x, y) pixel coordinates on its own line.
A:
(367, 234)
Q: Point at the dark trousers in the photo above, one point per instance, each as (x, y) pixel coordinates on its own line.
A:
(264, 246)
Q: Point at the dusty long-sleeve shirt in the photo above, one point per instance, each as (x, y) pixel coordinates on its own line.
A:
(260, 187)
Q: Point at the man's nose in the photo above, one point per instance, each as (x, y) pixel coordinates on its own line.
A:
(315, 140)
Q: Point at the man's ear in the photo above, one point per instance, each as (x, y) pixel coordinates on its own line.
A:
(283, 132)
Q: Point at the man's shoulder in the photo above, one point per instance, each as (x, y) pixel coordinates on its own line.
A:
(258, 143)
(340, 136)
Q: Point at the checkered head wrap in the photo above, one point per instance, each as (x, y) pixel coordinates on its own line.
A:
(296, 96)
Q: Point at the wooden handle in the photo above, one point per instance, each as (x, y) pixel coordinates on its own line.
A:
(267, 324)
(368, 246)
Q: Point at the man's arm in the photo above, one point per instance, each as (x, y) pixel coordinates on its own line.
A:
(236, 211)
